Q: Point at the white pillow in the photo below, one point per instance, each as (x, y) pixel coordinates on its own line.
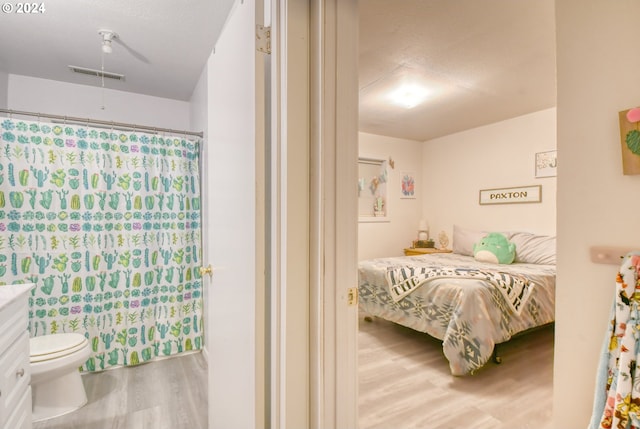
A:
(464, 239)
(534, 249)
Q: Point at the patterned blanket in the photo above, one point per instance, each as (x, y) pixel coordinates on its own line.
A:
(404, 280)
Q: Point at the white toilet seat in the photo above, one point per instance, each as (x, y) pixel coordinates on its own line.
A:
(54, 346)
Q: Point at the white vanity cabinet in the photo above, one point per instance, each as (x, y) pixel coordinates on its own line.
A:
(15, 391)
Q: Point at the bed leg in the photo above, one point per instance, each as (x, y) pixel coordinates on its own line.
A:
(496, 358)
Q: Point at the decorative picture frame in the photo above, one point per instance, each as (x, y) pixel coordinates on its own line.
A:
(515, 195)
(546, 164)
(630, 141)
(408, 185)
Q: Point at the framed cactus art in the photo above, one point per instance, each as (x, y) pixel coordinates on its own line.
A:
(630, 140)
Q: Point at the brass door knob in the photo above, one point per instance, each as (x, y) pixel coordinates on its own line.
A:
(206, 270)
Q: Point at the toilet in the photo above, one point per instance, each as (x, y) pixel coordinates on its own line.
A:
(56, 384)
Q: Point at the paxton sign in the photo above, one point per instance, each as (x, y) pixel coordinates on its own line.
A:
(522, 194)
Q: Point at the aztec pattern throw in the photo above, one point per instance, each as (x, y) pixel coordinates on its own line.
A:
(107, 226)
(404, 280)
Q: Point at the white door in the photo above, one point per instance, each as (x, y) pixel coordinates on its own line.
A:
(231, 239)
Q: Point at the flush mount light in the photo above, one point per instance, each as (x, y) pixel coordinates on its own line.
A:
(107, 38)
(409, 95)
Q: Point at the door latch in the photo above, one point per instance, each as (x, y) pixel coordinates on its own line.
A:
(206, 270)
(352, 296)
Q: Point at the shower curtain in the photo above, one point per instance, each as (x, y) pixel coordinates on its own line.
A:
(106, 224)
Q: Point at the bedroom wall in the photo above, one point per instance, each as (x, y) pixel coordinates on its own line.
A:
(379, 239)
(500, 155)
(67, 99)
(597, 205)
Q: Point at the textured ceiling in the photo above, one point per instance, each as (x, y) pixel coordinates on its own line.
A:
(162, 45)
(483, 61)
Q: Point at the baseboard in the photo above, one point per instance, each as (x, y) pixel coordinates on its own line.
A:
(205, 353)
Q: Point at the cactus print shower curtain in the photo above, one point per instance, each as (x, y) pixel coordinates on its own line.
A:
(106, 224)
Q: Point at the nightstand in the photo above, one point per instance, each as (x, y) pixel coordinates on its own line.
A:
(413, 251)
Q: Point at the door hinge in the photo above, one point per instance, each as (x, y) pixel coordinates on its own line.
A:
(352, 297)
(263, 39)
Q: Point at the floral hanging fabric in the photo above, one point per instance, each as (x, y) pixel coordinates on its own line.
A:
(617, 396)
(107, 226)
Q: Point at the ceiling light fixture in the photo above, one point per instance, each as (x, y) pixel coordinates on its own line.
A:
(409, 95)
(107, 38)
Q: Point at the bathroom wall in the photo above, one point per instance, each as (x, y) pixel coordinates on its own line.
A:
(67, 99)
(4, 89)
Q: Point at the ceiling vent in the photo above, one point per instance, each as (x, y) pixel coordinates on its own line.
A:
(97, 73)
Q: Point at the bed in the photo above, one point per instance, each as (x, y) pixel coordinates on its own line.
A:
(470, 306)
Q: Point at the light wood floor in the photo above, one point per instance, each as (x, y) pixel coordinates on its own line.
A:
(405, 383)
(164, 394)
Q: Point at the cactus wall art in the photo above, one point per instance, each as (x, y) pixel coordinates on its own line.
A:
(107, 226)
(630, 140)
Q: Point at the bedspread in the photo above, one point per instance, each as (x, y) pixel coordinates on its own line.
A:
(469, 315)
(404, 280)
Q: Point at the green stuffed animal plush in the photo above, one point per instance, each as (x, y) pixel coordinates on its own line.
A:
(495, 248)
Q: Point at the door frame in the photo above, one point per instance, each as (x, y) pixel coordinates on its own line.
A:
(288, 208)
(313, 219)
(334, 213)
